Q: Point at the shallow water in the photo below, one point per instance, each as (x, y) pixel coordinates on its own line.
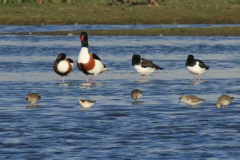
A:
(43, 28)
(116, 127)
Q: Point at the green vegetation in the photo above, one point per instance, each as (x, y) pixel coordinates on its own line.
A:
(30, 12)
(219, 31)
(102, 12)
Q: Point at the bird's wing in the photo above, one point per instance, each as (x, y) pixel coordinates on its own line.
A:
(96, 57)
(147, 63)
(201, 64)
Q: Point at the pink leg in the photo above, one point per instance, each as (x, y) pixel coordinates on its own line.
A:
(194, 77)
(62, 79)
(87, 78)
(199, 78)
(95, 77)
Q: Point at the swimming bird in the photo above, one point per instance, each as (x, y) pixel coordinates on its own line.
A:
(191, 100)
(143, 66)
(136, 94)
(86, 103)
(89, 63)
(32, 98)
(63, 66)
(196, 66)
(224, 100)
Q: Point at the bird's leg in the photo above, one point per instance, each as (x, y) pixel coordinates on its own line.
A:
(144, 77)
(199, 78)
(194, 77)
(87, 78)
(62, 79)
(95, 77)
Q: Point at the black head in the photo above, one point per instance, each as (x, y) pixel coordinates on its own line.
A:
(84, 39)
(190, 60)
(190, 56)
(136, 59)
(60, 57)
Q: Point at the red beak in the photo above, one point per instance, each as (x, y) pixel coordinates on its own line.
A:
(82, 38)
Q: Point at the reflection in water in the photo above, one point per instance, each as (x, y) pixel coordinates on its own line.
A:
(64, 84)
(87, 84)
(137, 103)
(142, 81)
(194, 107)
(197, 82)
(32, 106)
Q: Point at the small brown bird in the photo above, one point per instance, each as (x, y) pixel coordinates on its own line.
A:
(224, 100)
(32, 98)
(86, 103)
(136, 94)
(191, 100)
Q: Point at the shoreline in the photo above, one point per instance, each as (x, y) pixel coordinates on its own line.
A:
(206, 31)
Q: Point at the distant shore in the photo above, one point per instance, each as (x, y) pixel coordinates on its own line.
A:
(102, 12)
(210, 31)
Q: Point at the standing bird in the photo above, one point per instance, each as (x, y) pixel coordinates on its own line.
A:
(63, 66)
(196, 66)
(224, 100)
(191, 100)
(136, 94)
(86, 103)
(32, 98)
(89, 63)
(143, 66)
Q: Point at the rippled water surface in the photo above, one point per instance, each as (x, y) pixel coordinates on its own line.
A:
(116, 127)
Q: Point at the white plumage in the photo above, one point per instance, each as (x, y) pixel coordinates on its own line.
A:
(196, 69)
(142, 70)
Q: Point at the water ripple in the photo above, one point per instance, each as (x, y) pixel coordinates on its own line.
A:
(117, 127)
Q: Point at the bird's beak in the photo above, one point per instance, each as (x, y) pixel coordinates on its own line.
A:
(179, 101)
(78, 102)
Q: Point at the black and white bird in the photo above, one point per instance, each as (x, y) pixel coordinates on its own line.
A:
(63, 66)
(143, 66)
(196, 66)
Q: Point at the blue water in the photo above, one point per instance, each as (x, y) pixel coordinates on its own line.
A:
(42, 28)
(115, 127)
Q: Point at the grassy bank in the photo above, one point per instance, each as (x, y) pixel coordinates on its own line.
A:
(102, 12)
(216, 31)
